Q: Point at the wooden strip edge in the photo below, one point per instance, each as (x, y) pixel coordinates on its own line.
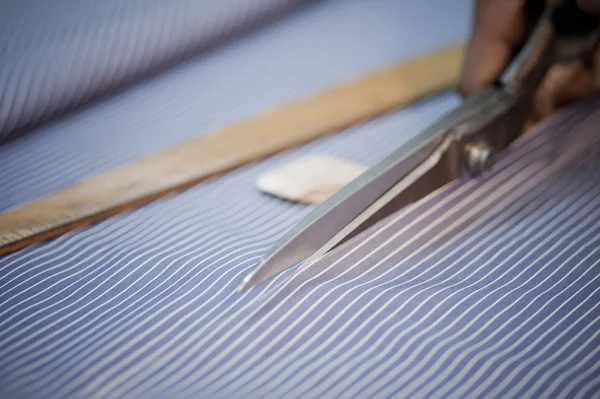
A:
(143, 181)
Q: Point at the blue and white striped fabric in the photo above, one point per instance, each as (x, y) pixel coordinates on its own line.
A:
(60, 54)
(488, 288)
(74, 308)
(327, 44)
(485, 289)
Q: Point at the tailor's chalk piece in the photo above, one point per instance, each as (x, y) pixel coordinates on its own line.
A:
(309, 180)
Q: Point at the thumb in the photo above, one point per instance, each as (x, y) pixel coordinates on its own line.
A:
(564, 83)
(497, 28)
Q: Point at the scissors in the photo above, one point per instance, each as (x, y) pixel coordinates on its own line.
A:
(462, 142)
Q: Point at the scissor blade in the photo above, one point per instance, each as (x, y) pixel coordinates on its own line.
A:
(428, 176)
(328, 219)
(342, 215)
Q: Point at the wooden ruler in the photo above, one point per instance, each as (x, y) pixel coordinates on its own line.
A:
(140, 182)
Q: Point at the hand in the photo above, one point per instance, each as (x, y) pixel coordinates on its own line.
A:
(499, 26)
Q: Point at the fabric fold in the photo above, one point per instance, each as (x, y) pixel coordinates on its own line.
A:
(60, 54)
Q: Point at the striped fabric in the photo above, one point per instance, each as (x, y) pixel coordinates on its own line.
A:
(326, 44)
(488, 288)
(60, 54)
(166, 270)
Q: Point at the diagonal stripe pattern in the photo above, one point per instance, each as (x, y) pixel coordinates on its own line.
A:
(60, 54)
(488, 288)
(179, 258)
(237, 81)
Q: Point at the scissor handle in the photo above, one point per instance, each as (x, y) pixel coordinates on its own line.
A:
(563, 32)
(493, 118)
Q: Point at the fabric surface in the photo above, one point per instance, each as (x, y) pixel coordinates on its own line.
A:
(178, 260)
(60, 54)
(465, 295)
(175, 263)
(314, 48)
(487, 288)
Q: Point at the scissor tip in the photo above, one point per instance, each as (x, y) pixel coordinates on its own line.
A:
(242, 287)
(249, 281)
(262, 272)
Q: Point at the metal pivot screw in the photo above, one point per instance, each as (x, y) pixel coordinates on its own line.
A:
(480, 157)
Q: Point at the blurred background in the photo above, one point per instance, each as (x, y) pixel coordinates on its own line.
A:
(87, 85)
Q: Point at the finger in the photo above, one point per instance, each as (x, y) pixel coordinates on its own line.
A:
(562, 85)
(498, 27)
(595, 68)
